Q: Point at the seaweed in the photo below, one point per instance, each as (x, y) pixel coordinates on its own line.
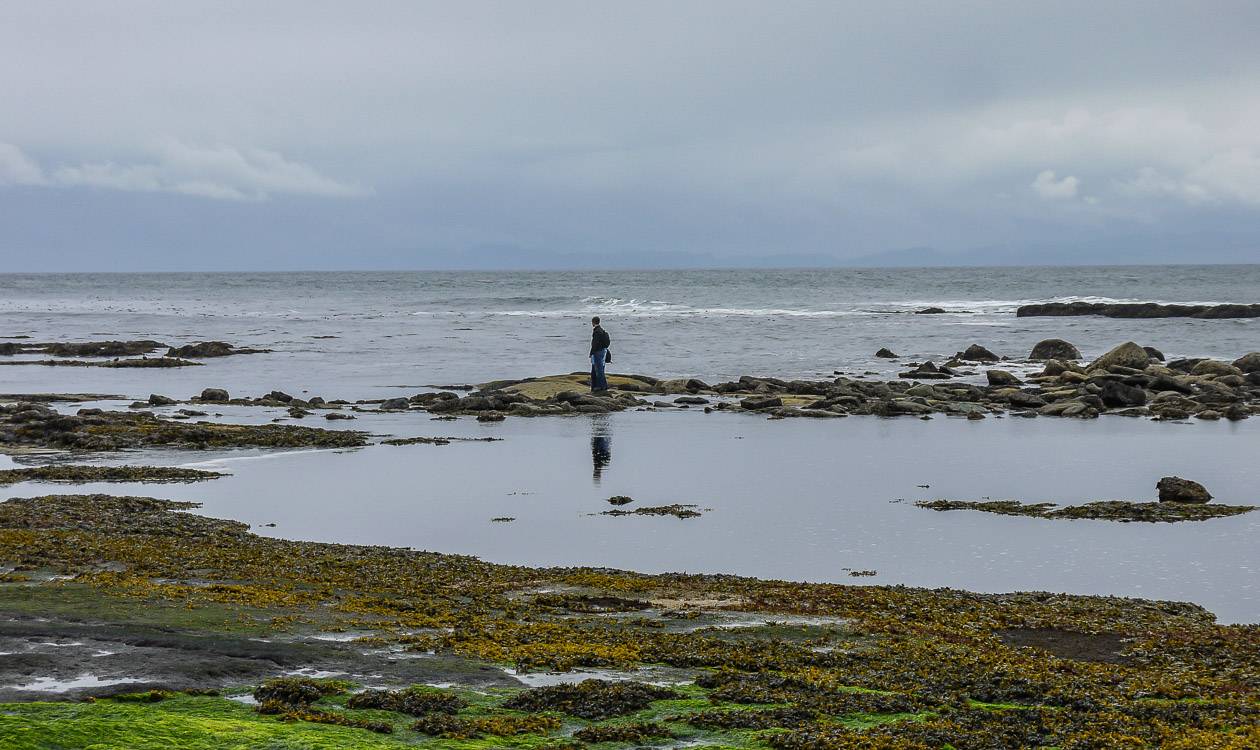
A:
(74, 473)
(415, 701)
(639, 731)
(590, 699)
(1107, 510)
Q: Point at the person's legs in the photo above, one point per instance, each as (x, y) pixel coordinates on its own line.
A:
(599, 382)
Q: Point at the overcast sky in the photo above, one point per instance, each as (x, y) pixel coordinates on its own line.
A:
(292, 135)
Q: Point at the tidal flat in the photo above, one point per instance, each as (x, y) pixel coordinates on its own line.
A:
(202, 605)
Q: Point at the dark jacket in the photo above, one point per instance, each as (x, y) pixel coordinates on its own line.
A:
(599, 339)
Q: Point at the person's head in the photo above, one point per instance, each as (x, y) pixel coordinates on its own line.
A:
(595, 320)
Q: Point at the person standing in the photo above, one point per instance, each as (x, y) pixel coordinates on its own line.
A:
(599, 355)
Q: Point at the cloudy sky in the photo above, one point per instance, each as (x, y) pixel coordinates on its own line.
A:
(296, 135)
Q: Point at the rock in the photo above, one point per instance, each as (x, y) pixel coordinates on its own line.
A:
(214, 394)
(694, 400)
(1211, 415)
(395, 404)
(99, 348)
(977, 353)
(338, 415)
(1119, 395)
(1139, 310)
(316, 401)
(752, 403)
(1026, 400)
(491, 416)
(620, 500)
(159, 400)
(1214, 367)
(930, 311)
(279, 396)
(1127, 354)
(1248, 362)
(1002, 377)
(1054, 349)
(1154, 353)
(205, 349)
(1178, 490)
(885, 354)
(927, 371)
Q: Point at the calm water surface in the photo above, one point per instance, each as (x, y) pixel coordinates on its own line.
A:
(791, 499)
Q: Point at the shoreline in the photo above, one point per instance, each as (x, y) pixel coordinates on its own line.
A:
(140, 564)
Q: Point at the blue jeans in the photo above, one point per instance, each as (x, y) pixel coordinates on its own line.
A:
(598, 381)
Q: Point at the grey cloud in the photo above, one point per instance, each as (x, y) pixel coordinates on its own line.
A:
(728, 128)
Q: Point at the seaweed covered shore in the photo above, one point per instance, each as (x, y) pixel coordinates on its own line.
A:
(197, 612)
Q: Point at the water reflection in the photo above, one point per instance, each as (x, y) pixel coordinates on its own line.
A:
(601, 446)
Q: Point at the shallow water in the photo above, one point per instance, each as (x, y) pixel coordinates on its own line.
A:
(791, 499)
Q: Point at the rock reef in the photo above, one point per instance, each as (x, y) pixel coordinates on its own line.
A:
(1137, 310)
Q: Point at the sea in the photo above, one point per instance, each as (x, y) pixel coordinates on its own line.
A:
(356, 333)
(811, 500)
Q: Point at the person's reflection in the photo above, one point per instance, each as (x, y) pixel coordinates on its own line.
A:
(601, 446)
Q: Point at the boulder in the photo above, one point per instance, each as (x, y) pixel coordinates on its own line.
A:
(1054, 349)
(1178, 490)
(395, 404)
(930, 311)
(279, 396)
(214, 394)
(1248, 362)
(1127, 354)
(1214, 367)
(1117, 395)
(885, 354)
(753, 403)
(159, 400)
(977, 353)
(1002, 377)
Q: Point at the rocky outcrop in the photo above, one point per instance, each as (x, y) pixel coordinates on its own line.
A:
(885, 354)
(213, 395)
(930, 311)
(1178, 490)
(1055, 349)
(38, 425)
(1138, 310)
(99, 348)
(207, 349)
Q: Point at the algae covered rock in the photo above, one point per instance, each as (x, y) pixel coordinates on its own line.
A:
(1054, 349)
(1248, 362)
(1116, 395)
(1129, 354)
(1002, 377)
(214, 395)
(977, 353)
(1178, 490)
